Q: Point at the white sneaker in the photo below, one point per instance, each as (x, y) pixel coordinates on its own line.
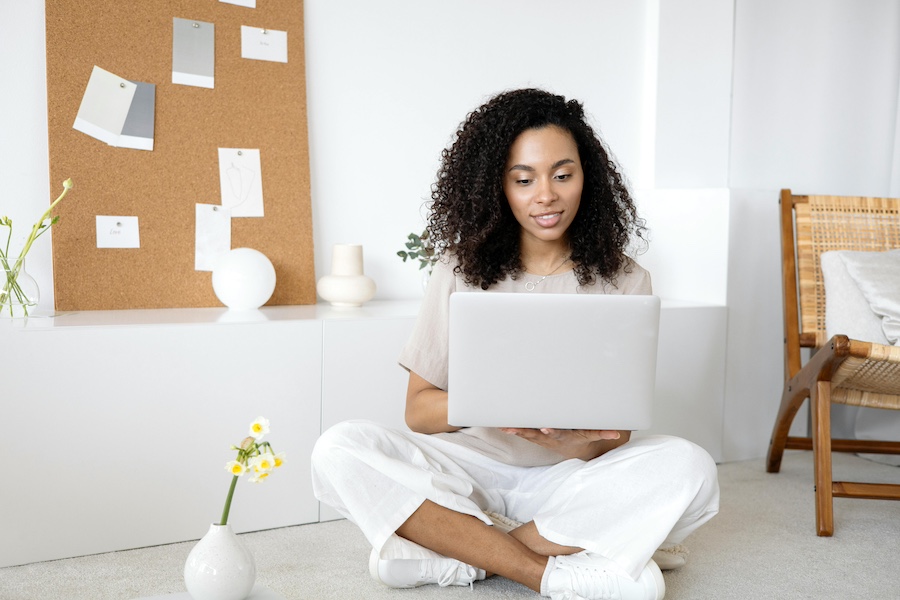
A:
(502, 522)
(670, 558)
(410, 572)
(580, 577)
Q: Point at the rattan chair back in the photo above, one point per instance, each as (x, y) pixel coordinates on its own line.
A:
(825, 223)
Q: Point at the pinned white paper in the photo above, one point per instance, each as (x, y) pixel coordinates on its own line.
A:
(118, 232)
(193, 53)
(104, 106)
(212, 236)
(240, 179)
(263, 44)
(247, 3)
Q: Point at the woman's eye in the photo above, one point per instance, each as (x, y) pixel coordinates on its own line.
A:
(563, 176)
(523, 181)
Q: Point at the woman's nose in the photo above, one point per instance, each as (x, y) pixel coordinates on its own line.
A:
(545, 191)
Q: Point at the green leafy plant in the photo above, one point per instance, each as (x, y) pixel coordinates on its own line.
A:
(9, 285)
(254, 457)
(419, 247)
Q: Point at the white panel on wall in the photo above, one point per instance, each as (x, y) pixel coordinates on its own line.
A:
(389, 82)
(754, 370)
(895, 163)
(688, 251)
(815, 95)
(694, 93)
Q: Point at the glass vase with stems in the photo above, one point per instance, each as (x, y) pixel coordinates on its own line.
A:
(19, 291)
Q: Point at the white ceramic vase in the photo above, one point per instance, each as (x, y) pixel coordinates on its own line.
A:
(219, 567)
(346, 286)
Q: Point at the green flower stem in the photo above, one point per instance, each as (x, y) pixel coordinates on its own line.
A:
(39, 226)
(6, 223)
(11, 286)
(224, 519)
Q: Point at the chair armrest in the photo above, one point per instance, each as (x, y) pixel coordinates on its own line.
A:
(822, 365)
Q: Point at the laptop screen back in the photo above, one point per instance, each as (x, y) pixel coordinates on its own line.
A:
(565, 361)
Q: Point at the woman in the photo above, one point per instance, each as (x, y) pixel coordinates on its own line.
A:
(527, 200)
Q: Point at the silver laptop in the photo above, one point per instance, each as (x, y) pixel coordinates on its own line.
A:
(565, 361)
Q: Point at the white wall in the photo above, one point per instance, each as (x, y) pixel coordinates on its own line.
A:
(389, 82)
(24, 170)
(815, 95)
(710, 106)
(693, 94)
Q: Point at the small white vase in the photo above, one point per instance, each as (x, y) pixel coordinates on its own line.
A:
(219, 567)
(346, 286)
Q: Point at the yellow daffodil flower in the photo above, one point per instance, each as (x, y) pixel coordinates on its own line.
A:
(235, 468)
(254, 457)
(259, 428)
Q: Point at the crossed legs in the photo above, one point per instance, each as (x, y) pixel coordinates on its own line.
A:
(520, 555)
(665, 489)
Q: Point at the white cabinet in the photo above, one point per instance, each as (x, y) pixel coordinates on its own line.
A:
(118, 423)
(116, 435)
(361, 378)
(690, 374)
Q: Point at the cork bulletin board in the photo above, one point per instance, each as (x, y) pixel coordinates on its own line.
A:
(255, 104)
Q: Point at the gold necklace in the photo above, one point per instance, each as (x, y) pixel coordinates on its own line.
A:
(530, 285)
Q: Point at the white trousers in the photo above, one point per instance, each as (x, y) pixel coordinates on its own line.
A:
(623, 505)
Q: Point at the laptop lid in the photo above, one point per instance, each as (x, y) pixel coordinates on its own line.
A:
(565, 361)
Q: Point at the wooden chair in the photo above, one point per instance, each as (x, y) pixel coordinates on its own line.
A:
(840, 369)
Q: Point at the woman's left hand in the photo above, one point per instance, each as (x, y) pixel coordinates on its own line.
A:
(585, 444)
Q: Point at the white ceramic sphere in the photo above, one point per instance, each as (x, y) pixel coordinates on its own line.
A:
(243, 279)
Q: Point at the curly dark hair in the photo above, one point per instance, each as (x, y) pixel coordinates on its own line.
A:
(471, 218)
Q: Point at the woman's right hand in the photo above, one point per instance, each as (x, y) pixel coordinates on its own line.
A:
(426, 407)
(586, 444)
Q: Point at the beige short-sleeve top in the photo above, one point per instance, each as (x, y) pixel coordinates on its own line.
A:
(426, 352)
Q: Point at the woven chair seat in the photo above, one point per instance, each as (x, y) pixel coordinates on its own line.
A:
(873, 382)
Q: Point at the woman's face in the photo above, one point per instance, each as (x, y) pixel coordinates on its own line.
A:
(543, 181)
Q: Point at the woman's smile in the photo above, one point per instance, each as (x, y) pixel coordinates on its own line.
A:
(548, 220)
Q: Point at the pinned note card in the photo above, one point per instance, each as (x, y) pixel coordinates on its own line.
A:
(240, 180)
(137, 131)
(212, 235)
(104, 106)
(263, 44)
(247, 3)
(193, 53)
(118, 232)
